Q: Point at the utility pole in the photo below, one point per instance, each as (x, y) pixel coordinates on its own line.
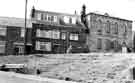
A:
(25, 27)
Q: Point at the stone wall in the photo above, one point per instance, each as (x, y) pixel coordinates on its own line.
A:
(98, 26)
(85, 68)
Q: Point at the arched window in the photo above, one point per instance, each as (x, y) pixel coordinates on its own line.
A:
(115, 43)
(100, 23)
(125, 29)
(108, 44)
(99, 43)
(116, 28)
(99, 28)
(108, 27)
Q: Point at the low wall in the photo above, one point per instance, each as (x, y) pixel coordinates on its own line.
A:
(93, 67)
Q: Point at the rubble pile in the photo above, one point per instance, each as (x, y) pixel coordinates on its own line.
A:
(86, 68)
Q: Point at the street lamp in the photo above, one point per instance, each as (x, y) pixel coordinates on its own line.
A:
(25, 27)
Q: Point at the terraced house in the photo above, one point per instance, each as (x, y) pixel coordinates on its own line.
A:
(108, 33)
(57, 32)
(12, 36)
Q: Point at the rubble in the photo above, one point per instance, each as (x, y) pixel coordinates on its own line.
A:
(87, 68)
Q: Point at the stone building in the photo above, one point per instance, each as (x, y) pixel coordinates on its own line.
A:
(108, 33)
(55, 32)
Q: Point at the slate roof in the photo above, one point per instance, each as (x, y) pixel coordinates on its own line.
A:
(61, 22)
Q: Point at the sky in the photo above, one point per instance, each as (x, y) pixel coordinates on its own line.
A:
(117, 8)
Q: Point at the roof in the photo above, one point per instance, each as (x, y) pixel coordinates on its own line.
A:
(13, 21)
(56, 13)
(61, 22)
(107, 15)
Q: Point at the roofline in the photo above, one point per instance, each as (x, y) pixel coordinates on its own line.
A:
(110, 17)
(57, 13)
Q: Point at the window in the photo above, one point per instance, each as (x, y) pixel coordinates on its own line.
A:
(43, 33)
(42, 16)
(55, 34)
(45, 17)
(49, 18)
(22, 32)
(38, 33)
(2, 46)
(88, 17)
(66, 19)
(52, 18)
(115, 44)
(63, 35)
(73, 20)
(39, 16)
(70, 20)
(19, 49)
(43, 46)
(99, 44)
(108, 44)
(55, 18)
(116, 28)
(108, 27)
(3, 31)
(125, 30)
(74, 37)
(99, 27)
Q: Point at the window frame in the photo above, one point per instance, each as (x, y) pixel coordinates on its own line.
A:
(39, 43)
(65, 35)
(73, 35)
(108, 27)
(99, 43)
(99, 27)
(116, 28)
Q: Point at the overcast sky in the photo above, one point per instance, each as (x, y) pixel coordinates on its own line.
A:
(118, 8)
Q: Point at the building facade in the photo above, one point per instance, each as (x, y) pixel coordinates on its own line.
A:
(51, 32)
(12, 36)
(107, 33)
(57, 32)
